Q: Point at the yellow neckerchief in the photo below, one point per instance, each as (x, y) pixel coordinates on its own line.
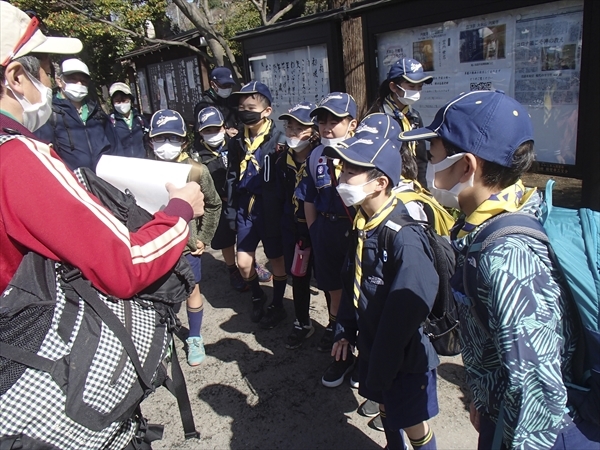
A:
(252, 145)
(299, 173)
(364, 224)
(400, 116)
(182, 157)
(509, 199)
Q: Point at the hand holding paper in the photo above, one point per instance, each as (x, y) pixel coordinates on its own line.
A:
(190, 193)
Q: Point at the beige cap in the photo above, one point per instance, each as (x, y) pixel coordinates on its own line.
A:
(119, 87)
(74, 65)
(14, 25)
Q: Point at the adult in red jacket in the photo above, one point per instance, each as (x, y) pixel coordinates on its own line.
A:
(43, 208)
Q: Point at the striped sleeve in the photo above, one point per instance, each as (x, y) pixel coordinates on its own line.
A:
(45, 209)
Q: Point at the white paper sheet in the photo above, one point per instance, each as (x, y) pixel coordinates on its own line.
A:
(144, 178)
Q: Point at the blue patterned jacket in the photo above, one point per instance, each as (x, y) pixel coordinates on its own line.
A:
(525, 362)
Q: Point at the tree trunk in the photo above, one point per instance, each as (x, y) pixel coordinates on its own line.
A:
(354, 59)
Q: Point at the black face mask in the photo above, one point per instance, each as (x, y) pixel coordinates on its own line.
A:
(250, 117)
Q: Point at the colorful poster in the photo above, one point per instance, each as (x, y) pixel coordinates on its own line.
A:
(533, 54)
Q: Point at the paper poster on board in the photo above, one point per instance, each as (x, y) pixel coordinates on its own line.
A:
(533, 54)
(293, 76)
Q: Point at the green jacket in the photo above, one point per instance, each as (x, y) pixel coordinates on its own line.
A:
(203, 228)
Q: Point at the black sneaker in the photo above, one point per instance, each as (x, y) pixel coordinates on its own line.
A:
(369, 408)
(337, 371)
(354, 379)
(326, 341)
(272, 317)
(376, 423)
(257, 308)
(298, 335)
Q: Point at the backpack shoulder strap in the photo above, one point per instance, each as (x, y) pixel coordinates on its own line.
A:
(502, 225)
(392, 225)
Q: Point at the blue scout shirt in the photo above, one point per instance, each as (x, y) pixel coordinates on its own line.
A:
(317, 188)
(397, 291)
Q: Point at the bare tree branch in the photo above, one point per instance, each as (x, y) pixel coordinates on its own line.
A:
(134, 34)
(262, 10)
(280, 14)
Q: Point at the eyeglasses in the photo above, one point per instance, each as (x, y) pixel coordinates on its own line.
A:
(29, 31)
(172, 138)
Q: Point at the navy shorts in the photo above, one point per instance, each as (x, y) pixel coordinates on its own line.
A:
(196, 266)
(411, 400)
(224, 236)
(330, 240)
(251, 231)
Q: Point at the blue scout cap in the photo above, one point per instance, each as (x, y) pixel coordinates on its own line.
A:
(339, 104)
(223, 76)
(210, 117)
(368, 152)
(409, 69)
(255, 87)
(377, 126)
(301, 112)
(488, 124)
(167, 121)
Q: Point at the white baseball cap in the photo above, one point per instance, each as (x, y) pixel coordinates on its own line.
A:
(19, 36)
(74, 65)
(119, 87)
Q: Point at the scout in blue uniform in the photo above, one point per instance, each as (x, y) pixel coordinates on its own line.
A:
(301, 138)
(387, 295)
(329, 221)
(252, 191)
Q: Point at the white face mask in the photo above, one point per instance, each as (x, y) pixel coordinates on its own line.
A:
(214, 139)
(296, 144)
(335, 141)
(167, 151)
(123, 108)
(224, 93)
(35, 115)
(353, 194)
(410, 97)
(75, 91)
(446, 197)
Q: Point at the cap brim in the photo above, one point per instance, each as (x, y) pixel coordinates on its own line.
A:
(291, 116)
(347, 154)
(427, 80)
(59, 45)
(325, 108)
(418, 134)
(210, 125)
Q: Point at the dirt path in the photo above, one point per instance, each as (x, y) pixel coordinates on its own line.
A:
(251, 392)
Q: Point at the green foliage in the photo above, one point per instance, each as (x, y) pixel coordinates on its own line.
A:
(102, 44)
(241, 16)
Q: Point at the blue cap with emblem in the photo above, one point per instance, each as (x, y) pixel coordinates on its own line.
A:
(167, 121)
(255, 87)
(369, 152)
(210, 117)
(409, 69)
(339, 104)
(301, 112)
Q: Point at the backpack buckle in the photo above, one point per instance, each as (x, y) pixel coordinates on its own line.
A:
(67, 274)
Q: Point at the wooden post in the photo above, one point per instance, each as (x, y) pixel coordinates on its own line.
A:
(354, 59)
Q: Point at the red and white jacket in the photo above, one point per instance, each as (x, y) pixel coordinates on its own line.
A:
(45, 209)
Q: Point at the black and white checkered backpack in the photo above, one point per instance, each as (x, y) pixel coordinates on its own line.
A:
(74, 363)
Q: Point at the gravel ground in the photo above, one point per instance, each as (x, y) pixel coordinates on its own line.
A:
(253, 393)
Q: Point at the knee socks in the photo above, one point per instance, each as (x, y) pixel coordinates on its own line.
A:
(427, 442)
(395, 438)
(279, 283)
(301, 294)
(195, 316)
(254, 284)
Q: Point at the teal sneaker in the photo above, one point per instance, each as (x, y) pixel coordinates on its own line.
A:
(196, 352)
